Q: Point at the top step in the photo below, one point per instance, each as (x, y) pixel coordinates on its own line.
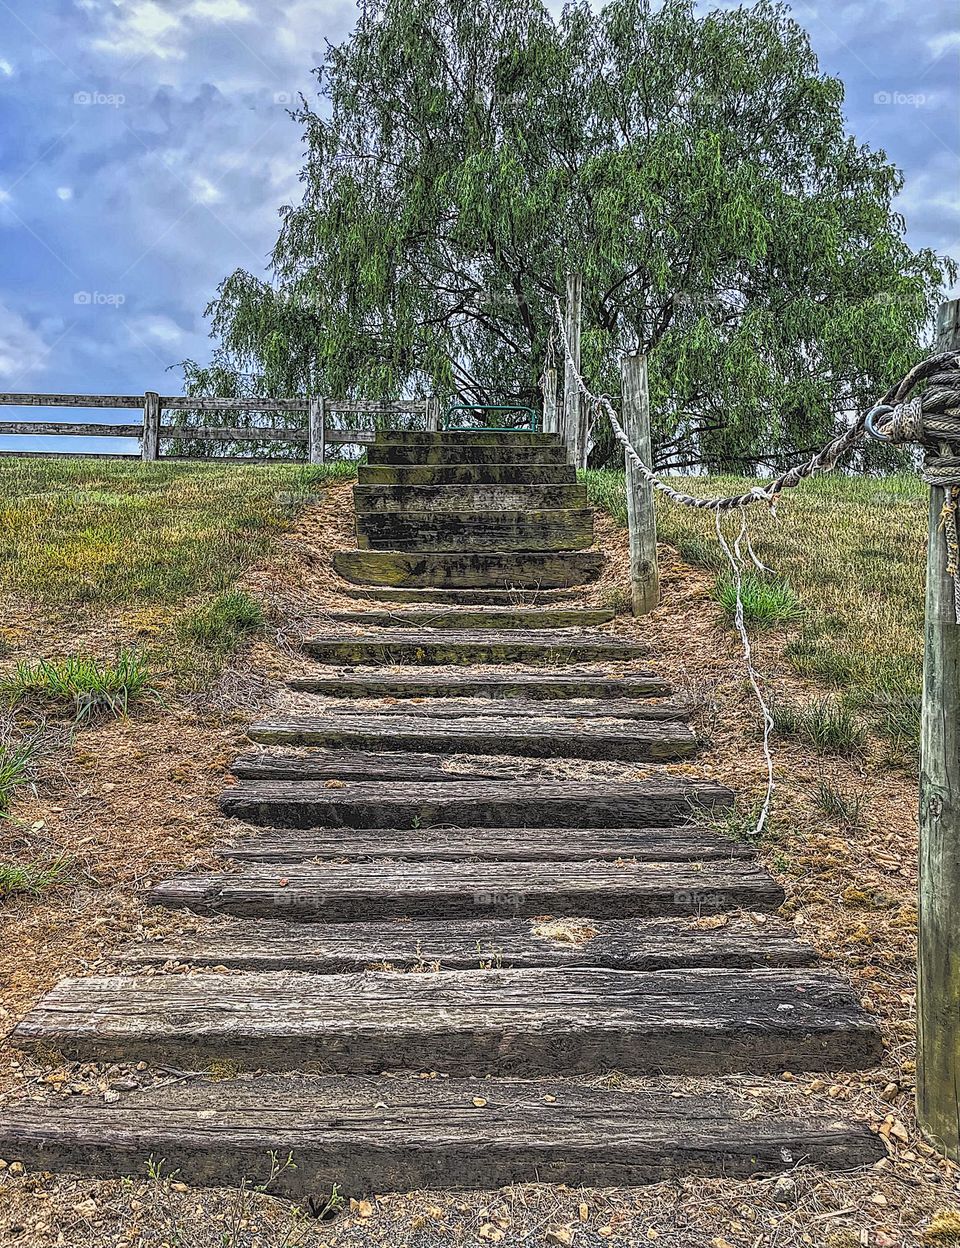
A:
(463, 453)
(472, 437)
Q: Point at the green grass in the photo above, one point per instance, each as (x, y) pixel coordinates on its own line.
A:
(32, 878)
(827, 724)
(221, 624)
(765, 601)
(852, 551)
(16, 759)
(92, 688)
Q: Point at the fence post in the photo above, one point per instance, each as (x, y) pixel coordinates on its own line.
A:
(549, 400)
(938, 967)
(316, 430)
(150, 438)
(574, 411)
(644, 573)
(432, 415)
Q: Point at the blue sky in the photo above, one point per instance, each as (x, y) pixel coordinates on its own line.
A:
(145, 149)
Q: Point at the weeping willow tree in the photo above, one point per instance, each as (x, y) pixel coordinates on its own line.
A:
(694, 167)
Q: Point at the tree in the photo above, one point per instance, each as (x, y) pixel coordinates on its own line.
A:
(695, 168)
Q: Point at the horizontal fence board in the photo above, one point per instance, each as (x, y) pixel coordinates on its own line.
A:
(201, 433)
(198, 403)
(349, 437)
(71, 400)
(68, 429)
(229, 459)
(134, 458)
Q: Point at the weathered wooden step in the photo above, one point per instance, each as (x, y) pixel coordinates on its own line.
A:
(606, 804)
(520, 708)
(478, 617)
(681, 844)
(470, 570)
(521, 1022)
(443, 452)
(336, 892)
(364, 765)
(532, 685)
(556, 529)
(463, 597)
(548, 736)
(368, 499)
(471, 944)
(466, 474)
(547, 647)
(467, 437)
(366, 1136)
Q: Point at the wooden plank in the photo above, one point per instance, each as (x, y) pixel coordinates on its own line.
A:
(688, 843)
(68, 429)
(467, 474)
(462, 597)
(407, 453)
(641, 519)
(547, 647)
(472, 944)
(574, 411)
(519, 1022)
(71, 400)
(444, 498)
(520, 708)
(425, 684)
(217, 403)
(468, 437)
(316, 425)
(133, 458)
(371, 1135)
(150, 440)
(475, 570)
(486, 617)
(361, 765)
(228, 433)
(559, 528)
(349, 437)
(547, 736)
(938, 1001)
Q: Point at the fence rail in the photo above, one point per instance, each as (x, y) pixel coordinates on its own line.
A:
(316, 434)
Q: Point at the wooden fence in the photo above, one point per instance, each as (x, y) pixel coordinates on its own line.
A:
(314, 436)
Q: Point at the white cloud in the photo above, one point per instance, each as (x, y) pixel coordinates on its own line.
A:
(6, 69)
(142, 28)
(944, 43)
(22, 350)
(156, 328)
(220, 10)
(204, 190)
(65, 193)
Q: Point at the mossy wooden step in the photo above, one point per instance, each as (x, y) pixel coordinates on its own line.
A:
(466, 474)
(478, 617)
(548, 736)
(443, 498)
(467, 437)
(542, 647)
(502, 530)
(470, 570)
(501, 685)
(366, 765)
(519, 1022)
(406, 453)
(469, 944)
(689, 843)
(369, 1135)
(493, 709)
(497, 804)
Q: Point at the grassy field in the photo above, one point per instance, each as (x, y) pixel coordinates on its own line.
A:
(847, 556)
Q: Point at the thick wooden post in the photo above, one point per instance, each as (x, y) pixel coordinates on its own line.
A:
(550, 422)
(938, 996)
(574, 410)
(432, 415)
(150, 438)
(316, 430)
(644, 573)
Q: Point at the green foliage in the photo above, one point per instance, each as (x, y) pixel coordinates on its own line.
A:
(15, 763)
(91, 687)
(694, 166)
(828, 724)
(846, 809)
(766, 602)
(32, 878)
(221, 624)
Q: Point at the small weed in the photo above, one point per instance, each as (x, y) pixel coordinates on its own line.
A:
(326, 1209)
(701, 552)
(618, 600)
(738, 822)
(898, 717)
(32, 878)
(766, 602)
(15, 761)
(92, 687)
(829, 725)
(221, 624)
(844, 809)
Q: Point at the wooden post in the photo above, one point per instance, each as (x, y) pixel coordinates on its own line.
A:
(574, 411)
(316, 430)
(432, 415)
(644, 573)
(150, 438)
(938, 969)
(550, 424)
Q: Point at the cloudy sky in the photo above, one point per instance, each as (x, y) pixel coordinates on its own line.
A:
(145, 149)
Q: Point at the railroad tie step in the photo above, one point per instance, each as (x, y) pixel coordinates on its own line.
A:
(472, 944)
(371, 765)
(467, 618)
(498, 570)
(504, 438)
(343, 1135)
(690, 843)
(560, 529)
(537, 647)
(513, 597)
(545, 686)
(333, 891)
(489, 804)
(407, 454)
(580, 709)
(440, 499)
(581, 1020)
(467, 474)
(547, 736)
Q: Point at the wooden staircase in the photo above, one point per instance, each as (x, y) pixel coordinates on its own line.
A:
(387, 912)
